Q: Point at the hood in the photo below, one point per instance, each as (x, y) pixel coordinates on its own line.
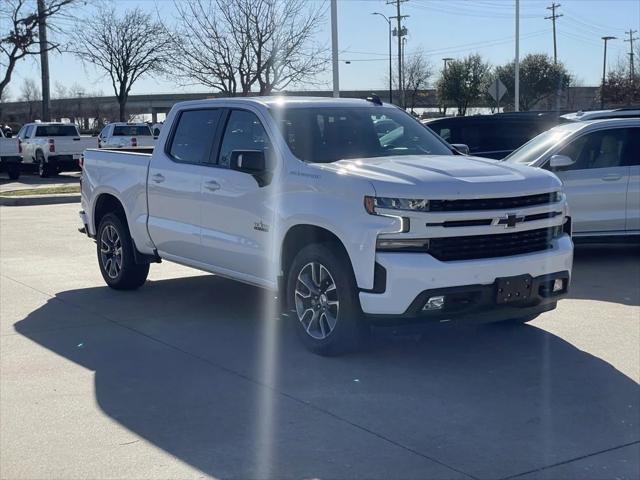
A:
(445, 176)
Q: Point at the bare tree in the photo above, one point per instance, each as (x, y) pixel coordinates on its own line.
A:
(125, 47)
(30, 93)
(417, 72)
(239, 46)
(20, 39)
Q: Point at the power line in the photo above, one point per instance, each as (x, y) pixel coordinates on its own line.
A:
(553, 18)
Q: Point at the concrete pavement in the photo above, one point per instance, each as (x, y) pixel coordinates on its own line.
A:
(186, 378)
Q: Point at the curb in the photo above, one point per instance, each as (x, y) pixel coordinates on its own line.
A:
(29, 200)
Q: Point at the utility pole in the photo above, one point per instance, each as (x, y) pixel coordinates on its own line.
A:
(400, 32)
(631, 40)
(516, 93)
(604, 70)
(334, 48)
(553, 17)
(390, 63)
(44, 59)
(446, 60)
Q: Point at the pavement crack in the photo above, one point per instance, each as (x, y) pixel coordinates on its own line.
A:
(571, 460)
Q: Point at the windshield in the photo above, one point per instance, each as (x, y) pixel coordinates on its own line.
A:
(327, 134)
(57, 131)
(531, 151)
(131, 131)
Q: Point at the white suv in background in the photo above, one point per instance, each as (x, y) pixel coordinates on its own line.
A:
(599, 163)
(125, 135)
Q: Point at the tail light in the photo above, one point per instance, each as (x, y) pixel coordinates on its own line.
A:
(19, 145)
(134, 142)
(52, 145)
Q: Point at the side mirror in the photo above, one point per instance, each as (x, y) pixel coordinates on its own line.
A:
(249, 161)
(461, 147)
(560, 161)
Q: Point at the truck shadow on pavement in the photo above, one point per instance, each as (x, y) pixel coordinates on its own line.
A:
(181, 363)
(607, 273)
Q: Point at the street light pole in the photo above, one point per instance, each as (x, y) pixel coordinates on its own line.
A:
(516, 93)
(390, 61)
(604, 69)
(334, 48)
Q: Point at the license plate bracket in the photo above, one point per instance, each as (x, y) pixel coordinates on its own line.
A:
(514, 289)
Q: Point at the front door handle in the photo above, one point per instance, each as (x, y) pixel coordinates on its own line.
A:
(212, 185)
(158, 178)
(612, 177)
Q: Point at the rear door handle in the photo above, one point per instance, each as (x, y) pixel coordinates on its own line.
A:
(612, 177)
(158, 178)
(212, 185)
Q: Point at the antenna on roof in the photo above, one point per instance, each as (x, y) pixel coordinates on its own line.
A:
(375, 99)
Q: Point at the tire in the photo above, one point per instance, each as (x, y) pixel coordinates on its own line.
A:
(115, 255)
(323, 298)
(43, 166)
(13, 170)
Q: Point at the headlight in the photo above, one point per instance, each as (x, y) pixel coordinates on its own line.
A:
(408, 204)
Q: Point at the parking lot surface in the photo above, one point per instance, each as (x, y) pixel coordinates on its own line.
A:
(29, 180)
(189, 377)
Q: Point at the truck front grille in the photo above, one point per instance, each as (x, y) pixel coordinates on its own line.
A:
(493, 203)
(490, 246)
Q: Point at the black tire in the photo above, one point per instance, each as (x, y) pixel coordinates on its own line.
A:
(122, 273)
(13, 170)
(43, 166)
(317, 334)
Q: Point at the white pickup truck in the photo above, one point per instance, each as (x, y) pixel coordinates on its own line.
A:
(302, 195)
(53, 147)
(125, 135)
(10, 157)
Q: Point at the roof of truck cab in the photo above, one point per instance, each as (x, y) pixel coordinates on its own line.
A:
(283, 100)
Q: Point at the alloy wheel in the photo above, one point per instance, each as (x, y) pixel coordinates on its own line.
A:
(111, 251)
(316, 300)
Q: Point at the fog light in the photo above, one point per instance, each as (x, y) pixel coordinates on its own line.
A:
(558, 285)
(434, 303)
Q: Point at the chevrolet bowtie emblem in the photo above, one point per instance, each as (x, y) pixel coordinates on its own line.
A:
(510, 220)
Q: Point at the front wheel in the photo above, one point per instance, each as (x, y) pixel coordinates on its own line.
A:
(116, 257)
(322, 296)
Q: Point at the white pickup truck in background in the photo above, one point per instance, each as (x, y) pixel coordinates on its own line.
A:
(53, 147)
(303, 196)
(125, 135)
(10, 157)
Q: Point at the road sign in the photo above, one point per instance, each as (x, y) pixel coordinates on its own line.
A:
(497, 89)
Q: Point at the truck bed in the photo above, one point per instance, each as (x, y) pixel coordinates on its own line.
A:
(123, 174)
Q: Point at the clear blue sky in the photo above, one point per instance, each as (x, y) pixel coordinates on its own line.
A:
(444, 28)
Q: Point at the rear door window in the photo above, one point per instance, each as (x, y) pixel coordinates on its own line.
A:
(193, 136)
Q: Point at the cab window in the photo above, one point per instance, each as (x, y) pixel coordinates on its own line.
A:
(193, 136)
(244, 131)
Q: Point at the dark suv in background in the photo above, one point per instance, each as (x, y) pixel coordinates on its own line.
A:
(494, 136)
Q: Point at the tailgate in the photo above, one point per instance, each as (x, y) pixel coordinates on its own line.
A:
(74, 145)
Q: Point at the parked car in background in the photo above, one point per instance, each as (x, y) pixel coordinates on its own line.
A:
(10, 157)
(581, 116)
(599, 163)
(300, 195)
(493, 136)
(125, 135)
(53, 147)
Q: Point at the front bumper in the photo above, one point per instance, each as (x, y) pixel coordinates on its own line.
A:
(410, 277)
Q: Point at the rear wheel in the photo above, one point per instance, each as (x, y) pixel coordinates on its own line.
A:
(322, 296)
(43, 166)
(116, 257)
